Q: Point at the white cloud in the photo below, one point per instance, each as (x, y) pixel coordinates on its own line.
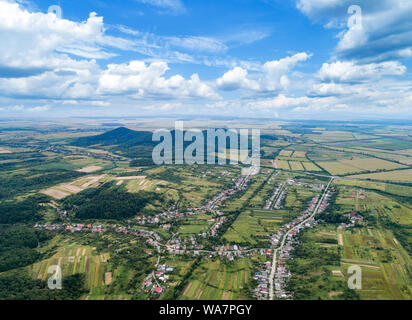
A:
(275, 72)
(329, 89)
(272, 76)
(39, 108)
(349, 71)
(236, 79)
(175, 6)
(141, 80)
(193, 43)
(99, 103)
(38, 41)
(36, 62)
(385, 32)
(16, 107)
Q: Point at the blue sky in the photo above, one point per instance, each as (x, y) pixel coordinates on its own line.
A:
(291, 59)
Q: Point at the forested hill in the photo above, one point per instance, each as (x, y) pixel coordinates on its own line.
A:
(117, 136)
(137, 144)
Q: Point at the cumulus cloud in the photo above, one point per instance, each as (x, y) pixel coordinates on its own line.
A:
(329, 89)
(349, 71)
(275, 72)
(236, 79)
(385, 33)
(36, 42)
(272, 76)
(142, 80)
(36, 61)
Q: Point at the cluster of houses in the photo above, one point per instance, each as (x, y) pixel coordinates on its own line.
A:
(240, 184)
(94, 228)
(269, 202)
(152, 238)
(261, 292)
(214, 229)
(353, 217)
(156, 281)
(50, 227)
(212, 205)
(164, 217)
(360, 195)
(314, 186)
(280, 193)
(290, 231)
(103, 156)
(282, 272)
(285, 239)
(231, 252)
(150, 284)
(162, 272)
(188, 246)
(279, 201)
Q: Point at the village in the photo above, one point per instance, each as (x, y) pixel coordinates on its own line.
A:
(281, 242)
(276, 273)
(102, 156)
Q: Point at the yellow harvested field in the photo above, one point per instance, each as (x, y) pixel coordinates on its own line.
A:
(56, 194)
(299, 154)
(131, 178)
(360, 265)
(334, 167)
(337, 273)
(64, 190)
(295, 165)
(282, 164)
(398, 175)
(3, 151)
(237, 156)
(340, 239)
(407, 152)
(93, 180)
(90, 169)
(107, 278)
(226, 295)
(286, 153)
(70, 188)
(309, 166)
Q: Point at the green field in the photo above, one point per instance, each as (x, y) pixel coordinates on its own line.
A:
(216, 280)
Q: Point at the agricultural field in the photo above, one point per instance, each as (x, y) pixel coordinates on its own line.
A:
(345, 166)
(197, 225)
(139, 206)
(385, 264)
(74, 259)
(297, 166)
(390, 188)
(253, 226)
(215, 280)
(397, 175)
(310, 166)
(283, 164)
(64, 190)
(191, 185)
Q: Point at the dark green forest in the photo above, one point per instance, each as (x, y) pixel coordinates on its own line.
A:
(108, 202)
